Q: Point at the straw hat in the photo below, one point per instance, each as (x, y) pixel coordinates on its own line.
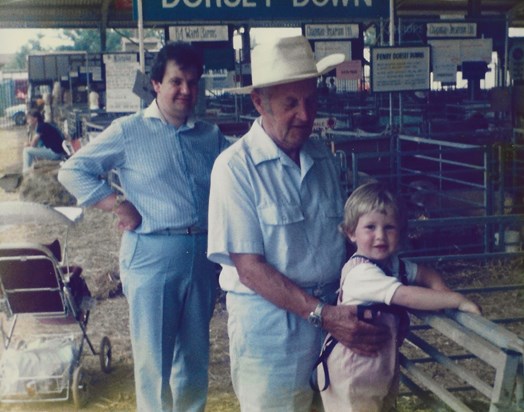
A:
(286, 60)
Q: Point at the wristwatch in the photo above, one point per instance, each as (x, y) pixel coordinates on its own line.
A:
(315, 317)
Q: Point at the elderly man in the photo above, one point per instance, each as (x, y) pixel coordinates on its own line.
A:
(163, 158)
(275, 206)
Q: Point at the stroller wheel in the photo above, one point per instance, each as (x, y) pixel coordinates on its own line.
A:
(79, 388)
(105, 355)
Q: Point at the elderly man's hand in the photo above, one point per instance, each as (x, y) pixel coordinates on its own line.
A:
(361, 337)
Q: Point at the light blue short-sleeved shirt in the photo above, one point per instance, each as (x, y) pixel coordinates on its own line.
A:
(261, 202)
(164, 171)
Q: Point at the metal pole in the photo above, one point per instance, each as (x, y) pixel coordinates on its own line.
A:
(505, 71)
(400, 117)
(391, 43)
(141, 36)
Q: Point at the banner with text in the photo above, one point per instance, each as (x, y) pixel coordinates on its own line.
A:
(253, 10)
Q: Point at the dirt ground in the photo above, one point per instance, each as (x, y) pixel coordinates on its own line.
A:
(94, 246)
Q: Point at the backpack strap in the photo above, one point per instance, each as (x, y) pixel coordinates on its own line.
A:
(322, 360)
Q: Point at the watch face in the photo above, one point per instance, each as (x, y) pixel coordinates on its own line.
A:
(315, 320)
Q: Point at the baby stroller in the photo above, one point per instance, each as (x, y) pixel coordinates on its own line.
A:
(38, 284)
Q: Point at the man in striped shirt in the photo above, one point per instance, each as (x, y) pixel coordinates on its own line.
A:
(163, 159)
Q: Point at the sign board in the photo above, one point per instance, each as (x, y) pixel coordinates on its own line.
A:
(325, 48)
(331, 31)
(451, 29)
(120, 81)
(476, 50)
(349, 70)
(445, 57)
(396, 69)
(198, 33)
(257, 10)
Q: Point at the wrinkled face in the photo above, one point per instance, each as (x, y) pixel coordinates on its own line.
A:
(177, 93)
(288, 112)
(376, 235)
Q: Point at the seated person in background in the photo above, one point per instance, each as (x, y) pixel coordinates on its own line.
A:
(46, 141)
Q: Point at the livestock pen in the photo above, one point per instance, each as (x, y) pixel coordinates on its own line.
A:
(465, 206)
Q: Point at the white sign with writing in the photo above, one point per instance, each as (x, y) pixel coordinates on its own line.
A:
(120, 79)
(451, 30)
(476, 50)
(325, 48)
(198, 33)
(399, 68)
(350, 70)
(445, 57)
(331, 31)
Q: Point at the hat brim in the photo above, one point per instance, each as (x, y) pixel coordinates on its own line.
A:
(324, 65)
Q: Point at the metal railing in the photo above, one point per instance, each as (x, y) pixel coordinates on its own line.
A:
(479, 338)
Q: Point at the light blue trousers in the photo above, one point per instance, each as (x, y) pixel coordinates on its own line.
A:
(272, 353)
(170, 287)
(29, 155)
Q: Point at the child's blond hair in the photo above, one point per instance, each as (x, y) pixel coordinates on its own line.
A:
(370, 197)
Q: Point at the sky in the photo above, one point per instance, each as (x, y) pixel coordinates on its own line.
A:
(11, 40)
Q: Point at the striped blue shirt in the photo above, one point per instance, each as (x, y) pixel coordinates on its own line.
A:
(164, 171)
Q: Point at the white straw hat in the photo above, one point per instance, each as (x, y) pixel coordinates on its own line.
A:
(286, 60)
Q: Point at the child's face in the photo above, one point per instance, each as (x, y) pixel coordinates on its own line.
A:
(376, 235)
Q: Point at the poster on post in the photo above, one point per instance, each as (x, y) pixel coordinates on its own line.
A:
(120, 79)
(395, 69)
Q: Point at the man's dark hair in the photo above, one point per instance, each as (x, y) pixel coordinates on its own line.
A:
(185, 55)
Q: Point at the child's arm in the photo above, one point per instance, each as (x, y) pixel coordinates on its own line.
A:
(431, 293)
(423, 298)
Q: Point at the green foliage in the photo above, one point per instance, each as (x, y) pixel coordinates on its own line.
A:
(79, 40)
(89, 40)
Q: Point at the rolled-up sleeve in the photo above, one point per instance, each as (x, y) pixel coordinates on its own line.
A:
(368, 283)
(83, 174)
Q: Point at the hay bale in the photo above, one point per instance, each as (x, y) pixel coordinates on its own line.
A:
(41, 185)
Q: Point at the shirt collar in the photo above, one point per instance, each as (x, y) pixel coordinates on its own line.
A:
(263, 148)
(152, 111)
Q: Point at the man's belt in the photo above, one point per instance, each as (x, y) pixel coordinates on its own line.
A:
(190, 230)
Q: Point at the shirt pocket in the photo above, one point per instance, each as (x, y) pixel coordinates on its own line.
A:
(280, 214)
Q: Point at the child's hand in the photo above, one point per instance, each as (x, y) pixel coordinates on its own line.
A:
(468, 306)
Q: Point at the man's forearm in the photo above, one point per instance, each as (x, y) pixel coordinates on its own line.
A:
(265, 280)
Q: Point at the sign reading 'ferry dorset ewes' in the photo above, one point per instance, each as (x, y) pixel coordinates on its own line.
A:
(224, 10)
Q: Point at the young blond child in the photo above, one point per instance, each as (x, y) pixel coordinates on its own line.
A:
(376, 280)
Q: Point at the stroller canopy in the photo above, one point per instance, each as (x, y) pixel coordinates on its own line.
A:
(21, 213)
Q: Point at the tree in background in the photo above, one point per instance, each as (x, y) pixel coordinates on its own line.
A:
(79, 40)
